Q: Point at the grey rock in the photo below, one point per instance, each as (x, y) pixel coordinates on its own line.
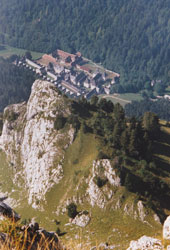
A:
(166, 229)
(141, 210)
(146, 243)
(8, 212)
(3, 198)
(34, 226)
(82, 219)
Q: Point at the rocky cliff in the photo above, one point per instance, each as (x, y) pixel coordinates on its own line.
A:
(51, 166)
(30, 140)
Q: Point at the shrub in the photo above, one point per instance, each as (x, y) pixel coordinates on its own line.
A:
(85, 212)
(74, 121)
(10, 115)
(72, 210)
(40, 154)
(59, 122)
(84, 127)
(101, 155)
(128, 182)
(100, 182)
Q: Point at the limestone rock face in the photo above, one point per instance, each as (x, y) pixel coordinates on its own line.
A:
(146, 243)
(33, 146)
(141, 210)
(12, 133)
(99, 195)
(166, 229)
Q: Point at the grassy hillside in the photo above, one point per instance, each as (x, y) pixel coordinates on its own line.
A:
(123, 99)
(138, 151)
(7, 51)
(108, 225)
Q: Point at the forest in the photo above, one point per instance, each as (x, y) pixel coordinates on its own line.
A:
(161, 107)
(15, 83)
(129, 142)
(130, 37)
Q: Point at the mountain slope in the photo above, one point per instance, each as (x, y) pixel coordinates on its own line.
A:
(60, 151)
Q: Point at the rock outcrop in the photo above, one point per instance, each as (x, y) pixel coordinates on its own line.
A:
(7, 212)
(35, 149)
(166, 229)
(146, 243)
(103, 171)
(149, 243)
(82, 219)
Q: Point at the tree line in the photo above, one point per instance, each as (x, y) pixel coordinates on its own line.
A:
(161, 107)
(118, 134)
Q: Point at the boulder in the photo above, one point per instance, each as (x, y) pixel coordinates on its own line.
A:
(7, 212)
(81, 219)
(166, 229)
(105, 170)
(141, 210)
(146, 243)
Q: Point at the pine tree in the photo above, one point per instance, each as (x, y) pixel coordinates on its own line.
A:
(124, 139)
(151, 125)
(133, 144)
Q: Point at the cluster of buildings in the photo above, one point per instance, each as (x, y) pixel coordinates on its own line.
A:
(68, 73)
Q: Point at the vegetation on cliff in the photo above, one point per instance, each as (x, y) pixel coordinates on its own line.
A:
(130, 142)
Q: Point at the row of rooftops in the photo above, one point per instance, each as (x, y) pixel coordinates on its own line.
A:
(74, 81)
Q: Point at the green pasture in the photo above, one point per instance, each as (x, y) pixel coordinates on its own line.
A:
(123, 99)
(8, 51)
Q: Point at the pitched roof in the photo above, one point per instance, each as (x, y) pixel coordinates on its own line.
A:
(64, 54)
(49, 58)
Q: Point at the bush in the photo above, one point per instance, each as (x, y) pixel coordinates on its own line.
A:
(128, 183)
(10, 115)
(59, 122)
(100, 182)
(74, 121)
(101, 155)
(72, 210)
(85, 129)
